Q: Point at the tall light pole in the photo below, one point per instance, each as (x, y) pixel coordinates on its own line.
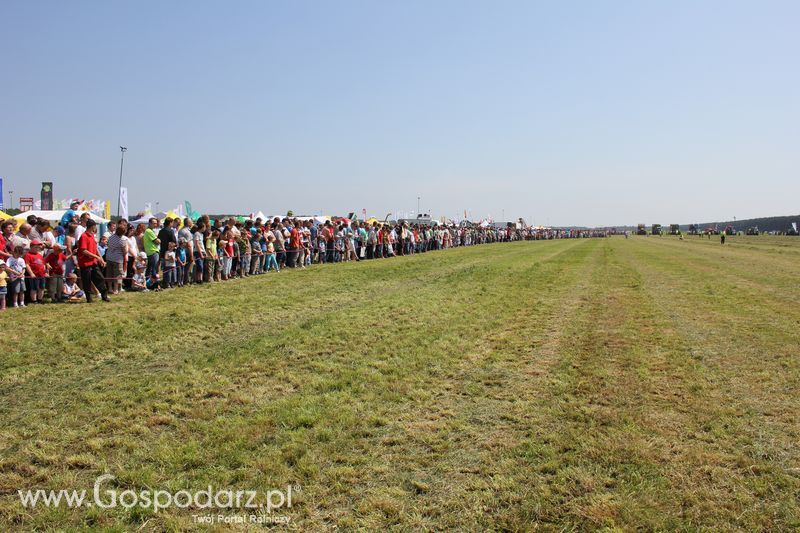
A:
(11, 199)
(122, 150)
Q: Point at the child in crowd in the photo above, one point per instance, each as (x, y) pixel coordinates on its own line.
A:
(170, 264)
(71, 293)
(152, 283)
(255, 251)
(321, 247)
(271, 260)
(102, 246)
(211, 255)
(139, 283)
(180, 260)
(3, 285)
(55, 271)
(16, 272)
(38, 270)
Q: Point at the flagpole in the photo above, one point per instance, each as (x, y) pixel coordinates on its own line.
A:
(122, 149)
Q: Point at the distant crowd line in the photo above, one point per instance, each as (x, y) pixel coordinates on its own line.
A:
(73, 261)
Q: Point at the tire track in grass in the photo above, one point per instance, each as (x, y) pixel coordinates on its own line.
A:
(438, 456)
(754, 371)
(641, 435)
(625, 396)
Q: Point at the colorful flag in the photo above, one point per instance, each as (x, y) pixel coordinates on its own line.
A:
(1, 194)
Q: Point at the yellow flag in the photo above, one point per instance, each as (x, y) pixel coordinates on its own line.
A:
(107, 212)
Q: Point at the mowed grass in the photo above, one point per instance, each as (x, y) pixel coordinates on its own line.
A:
(647, 383)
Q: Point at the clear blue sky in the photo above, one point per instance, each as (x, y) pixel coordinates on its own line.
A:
(587, 113)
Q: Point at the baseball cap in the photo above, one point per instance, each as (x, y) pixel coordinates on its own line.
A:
(142, 255)
(36, 242)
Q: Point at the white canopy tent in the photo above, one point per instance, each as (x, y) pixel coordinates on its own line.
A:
(55, 216)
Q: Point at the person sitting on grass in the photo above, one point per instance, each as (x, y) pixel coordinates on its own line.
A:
(71, 292)
(139, 282)
(153, 282)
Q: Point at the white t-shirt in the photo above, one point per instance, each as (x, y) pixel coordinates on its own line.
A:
(16, 264)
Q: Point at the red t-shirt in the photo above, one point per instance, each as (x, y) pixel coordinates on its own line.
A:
(294, 239)
(56, 262)
(86, 242)
(36, 262)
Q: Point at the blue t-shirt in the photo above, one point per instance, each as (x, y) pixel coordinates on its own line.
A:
(181, 254)
(67, 217)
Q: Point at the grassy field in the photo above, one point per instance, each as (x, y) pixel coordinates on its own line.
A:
(645, 383)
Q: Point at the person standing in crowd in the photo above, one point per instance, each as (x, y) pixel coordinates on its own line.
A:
(226, 253)
(22, 237)
(55, 272)
(199, 251)
(212, 262)
(186, 233)
(170, 267)
(151, 248)
(182, 261)
(295, 244)
(166, 235)
(17, 269)
(117, 257)
(3, 284)
(271, 260)
(132, 245)
(90, 263)
(38, 271)
(280, 249)
(6, 235)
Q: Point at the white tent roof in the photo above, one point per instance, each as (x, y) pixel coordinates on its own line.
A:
(55, 216)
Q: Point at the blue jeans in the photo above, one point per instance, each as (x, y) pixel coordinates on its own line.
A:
(271, 261)
(152, 265)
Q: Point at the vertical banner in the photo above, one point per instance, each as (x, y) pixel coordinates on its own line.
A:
(123, 202)
(107, 210)
(1, 194)
(47, 195)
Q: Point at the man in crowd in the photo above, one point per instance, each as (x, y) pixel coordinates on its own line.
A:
(166, 236)
(185, 233)
(151, 248)
(91, 263)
